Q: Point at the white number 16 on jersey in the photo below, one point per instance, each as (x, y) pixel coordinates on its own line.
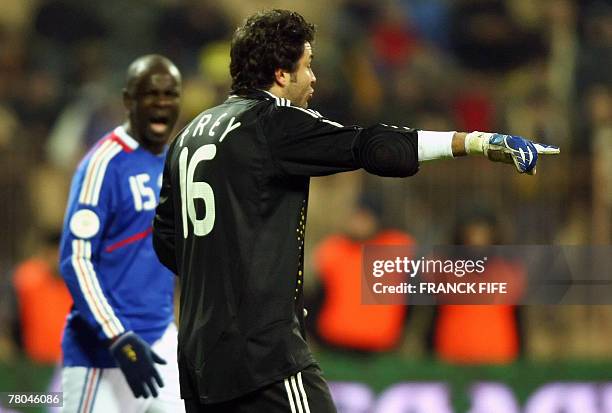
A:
(190, 191)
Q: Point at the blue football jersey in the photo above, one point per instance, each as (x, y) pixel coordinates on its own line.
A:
(107, 257)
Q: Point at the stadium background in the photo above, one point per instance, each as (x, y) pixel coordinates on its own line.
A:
(535, 68)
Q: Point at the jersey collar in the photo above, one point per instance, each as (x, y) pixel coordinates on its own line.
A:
(253, 94)
(123, 136)
(272, 95)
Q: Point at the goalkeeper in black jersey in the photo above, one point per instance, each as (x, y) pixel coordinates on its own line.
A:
(232, 216)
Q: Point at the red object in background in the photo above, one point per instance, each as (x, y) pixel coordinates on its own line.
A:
(344, 321)
(480, 334)
(44, 302)
(474, 112)
(393, 43)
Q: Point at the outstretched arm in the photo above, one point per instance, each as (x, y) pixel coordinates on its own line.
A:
(520, 151)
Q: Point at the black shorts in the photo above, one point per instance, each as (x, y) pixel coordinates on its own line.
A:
(304, 392)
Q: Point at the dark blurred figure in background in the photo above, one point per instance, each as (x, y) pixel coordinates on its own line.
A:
(486, 36)
(479, 334)
(339, 320)
(186, 27)
(8, 322)
(594, 89)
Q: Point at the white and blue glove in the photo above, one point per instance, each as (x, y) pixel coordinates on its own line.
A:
(508, 149)
(136, 360)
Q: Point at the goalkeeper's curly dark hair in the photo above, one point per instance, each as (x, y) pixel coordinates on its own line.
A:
(267, 41)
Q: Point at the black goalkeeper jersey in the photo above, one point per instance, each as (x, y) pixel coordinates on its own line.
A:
(231, 223)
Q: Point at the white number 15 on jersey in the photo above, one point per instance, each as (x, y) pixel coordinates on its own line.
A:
(144, 196)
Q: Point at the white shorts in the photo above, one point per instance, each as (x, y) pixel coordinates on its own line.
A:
(98, 390)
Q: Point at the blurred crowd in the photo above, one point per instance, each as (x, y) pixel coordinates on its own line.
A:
(535, 68)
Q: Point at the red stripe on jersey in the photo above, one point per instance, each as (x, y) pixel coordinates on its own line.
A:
(120, 141)
(129, 240)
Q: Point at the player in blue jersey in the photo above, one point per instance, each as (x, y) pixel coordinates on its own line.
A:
(119, 344)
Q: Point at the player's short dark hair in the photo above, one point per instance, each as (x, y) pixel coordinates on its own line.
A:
(143, 65)
(267, 41)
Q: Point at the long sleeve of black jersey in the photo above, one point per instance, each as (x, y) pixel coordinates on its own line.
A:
(164, 231)
(302, 142)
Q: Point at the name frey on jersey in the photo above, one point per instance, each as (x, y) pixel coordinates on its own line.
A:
(200, 125)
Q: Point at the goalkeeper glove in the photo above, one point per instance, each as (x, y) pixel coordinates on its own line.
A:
(136, 360)
(508, 149)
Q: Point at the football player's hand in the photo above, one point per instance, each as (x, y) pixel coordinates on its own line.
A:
(136, 360)
(509, 149)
